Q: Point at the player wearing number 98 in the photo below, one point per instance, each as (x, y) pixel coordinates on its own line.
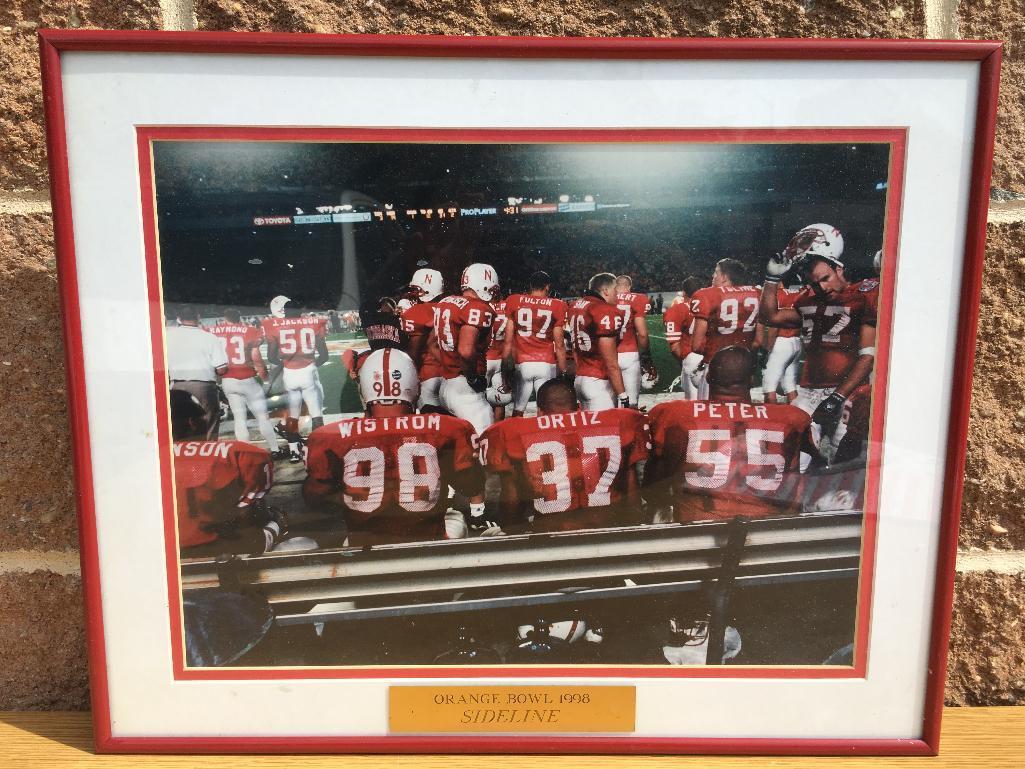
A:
(725, 315)
(463, 327)
(299, 345)
(568, 469)
(594, 326)
(725, 456)
(837, 319)
(388, 473)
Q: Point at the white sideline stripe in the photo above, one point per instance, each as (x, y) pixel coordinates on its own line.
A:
(996, 561)
(63, 562)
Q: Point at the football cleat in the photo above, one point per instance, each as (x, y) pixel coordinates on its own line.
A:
(482, 279)
(388, 376)
(427, 285)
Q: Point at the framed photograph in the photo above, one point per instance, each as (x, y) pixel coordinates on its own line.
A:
(518, 395)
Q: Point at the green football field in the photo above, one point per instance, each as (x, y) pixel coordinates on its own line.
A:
(341, 395)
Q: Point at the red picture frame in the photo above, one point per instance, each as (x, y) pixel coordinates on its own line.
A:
(54, 42)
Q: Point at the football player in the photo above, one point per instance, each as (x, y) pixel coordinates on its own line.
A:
(679, 322)
(418, 326)
(535, 346)
(785, 356)
(595, 323)
(567, 469)
(219, 489)
(299, 345)
(726, 456)
(633, 351)
(388, 473)
(493, 358)
(241, 383)
(837, 319)
(725, 315)
(462, 325)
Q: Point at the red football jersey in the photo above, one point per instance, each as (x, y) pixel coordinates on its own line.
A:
(534, 319)
(630, 305)
(389, 475)
(419, 319)
(731, 312)
(574, 467)
(725, 458)
(831, 330)
(590, 318)
(785, 298)
(239, 341)
(450, 315)
(679, 321)
(296, 337)
(214, 482)
(498, 326)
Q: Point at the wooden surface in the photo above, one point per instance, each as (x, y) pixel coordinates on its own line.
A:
(972, 737)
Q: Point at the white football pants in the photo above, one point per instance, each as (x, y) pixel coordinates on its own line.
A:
(248, 393)
(303, 386)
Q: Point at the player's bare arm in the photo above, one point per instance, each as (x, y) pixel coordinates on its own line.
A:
(559, 340)
(862, 367)
(700, 335)
(273, 352)
(769, 311)
(643, 345)
(466, 346)
(509, 352)
(416, 344)
(322, 353)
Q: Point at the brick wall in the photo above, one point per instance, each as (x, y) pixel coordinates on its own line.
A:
(40, 610)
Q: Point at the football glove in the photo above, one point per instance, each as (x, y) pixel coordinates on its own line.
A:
(777, 267)
(479, 522)
(477, 383)
(828, 412)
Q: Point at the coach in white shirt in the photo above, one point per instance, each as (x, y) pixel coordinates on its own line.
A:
(195, 358)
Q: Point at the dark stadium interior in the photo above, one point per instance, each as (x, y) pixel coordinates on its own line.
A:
(686, 205)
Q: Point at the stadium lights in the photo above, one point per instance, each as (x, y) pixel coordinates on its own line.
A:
(256, 260)
(588, 198)
(564, 198)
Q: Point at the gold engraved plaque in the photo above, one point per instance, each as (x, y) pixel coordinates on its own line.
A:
(433, 709)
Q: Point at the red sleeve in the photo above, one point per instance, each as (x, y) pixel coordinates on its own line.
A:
(253, 337)
(512, 304)
(320, 482)
(419, 317)
(267, 328)
(703, 302)
(493, 450)
(871, 305)
(607, 319)
(255, 473)
(657, 419)
(464, 445)
(676, 321)
(321, 327)
(641, 304)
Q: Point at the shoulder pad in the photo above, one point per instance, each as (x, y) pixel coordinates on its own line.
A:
(868, 285)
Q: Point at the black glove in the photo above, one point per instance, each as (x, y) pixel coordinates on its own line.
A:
(624, 401)
(761, 357)
(828, 412)
(477, 383)
(479, 521)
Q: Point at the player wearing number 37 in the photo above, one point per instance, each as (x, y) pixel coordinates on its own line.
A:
(388, 473)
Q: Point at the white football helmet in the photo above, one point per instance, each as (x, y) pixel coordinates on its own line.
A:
(388, 376)
(498, 394)
(649, 378)
(427, 284)
(482, 280)
(822, 240)
(567, 631)
(277, 306)
(877, 262)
